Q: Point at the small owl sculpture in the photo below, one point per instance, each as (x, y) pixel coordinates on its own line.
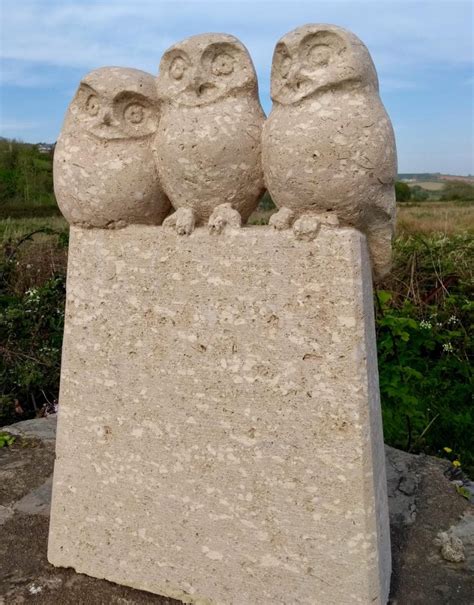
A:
(208, 144)
(104, 172)
(328, 145)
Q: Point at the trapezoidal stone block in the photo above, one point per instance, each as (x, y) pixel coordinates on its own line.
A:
(219, 435)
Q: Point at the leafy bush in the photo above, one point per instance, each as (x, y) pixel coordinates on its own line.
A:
(458, 190)
(424, 346)
(402, 192)
(418, 194)
(26, 175)
(31, 330)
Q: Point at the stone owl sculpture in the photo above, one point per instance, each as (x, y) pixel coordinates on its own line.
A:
(104, 172)
(208, 143)
(328, 145)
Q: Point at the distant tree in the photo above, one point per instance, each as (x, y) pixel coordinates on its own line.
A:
(402, 192)
(26, 177)
(458, 190)
(7, 184)
(418, 194)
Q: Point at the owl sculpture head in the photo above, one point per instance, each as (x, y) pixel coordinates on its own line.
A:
(115, 103)
(317, 57)
(206, 68)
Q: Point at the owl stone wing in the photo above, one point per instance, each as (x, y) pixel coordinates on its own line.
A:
(381, 150)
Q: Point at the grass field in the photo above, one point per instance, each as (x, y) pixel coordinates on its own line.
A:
(435, 217)
(13, 228)
(423, 217)
(428, 185)
(40, 256)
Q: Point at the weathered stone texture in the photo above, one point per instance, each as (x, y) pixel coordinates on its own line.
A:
(219, 435)
(104, 172)
(328, 143)
(208, 143)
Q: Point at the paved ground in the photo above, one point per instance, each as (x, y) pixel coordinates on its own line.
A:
(423, 502)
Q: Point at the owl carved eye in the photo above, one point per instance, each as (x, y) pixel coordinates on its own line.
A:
(92, 105)
(222, 64)
(177, 68)
(134, 113)
(319, 55)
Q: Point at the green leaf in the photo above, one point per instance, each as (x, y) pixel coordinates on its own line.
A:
(6, 439)
(463, 491)
(384, 297)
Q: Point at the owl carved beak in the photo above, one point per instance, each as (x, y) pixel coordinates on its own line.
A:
(201, 88)
(296, 81)
(294, 75)
(199, 91)
(295, 78)
(106, 118)
(197, 83)
(106, 126)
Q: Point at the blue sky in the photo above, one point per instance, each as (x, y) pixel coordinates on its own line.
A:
(423, 51)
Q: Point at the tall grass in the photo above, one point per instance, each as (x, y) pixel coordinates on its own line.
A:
(448, 218)
(12, 228)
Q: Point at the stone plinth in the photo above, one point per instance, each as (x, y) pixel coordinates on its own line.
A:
(219, 435)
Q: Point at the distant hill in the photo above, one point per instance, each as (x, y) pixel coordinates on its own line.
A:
(419, 176)
(454, 177)
(434, 177)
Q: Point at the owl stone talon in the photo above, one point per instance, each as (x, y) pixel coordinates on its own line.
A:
(283, 219)
(307, 227)
(182, 221)
(223, 216)
(329, 219)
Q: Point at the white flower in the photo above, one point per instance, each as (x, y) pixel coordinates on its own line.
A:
(448, 347)
(426, 325)
(453, 319)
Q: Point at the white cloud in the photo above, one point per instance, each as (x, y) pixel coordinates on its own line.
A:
(401, 34)
(48, 44)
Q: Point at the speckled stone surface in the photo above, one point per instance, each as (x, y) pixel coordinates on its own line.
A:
(208, 143)
(328, 144)
(219, 435)
(104, 172)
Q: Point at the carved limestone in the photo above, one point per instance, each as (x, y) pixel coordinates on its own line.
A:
(104, 173)
(208, 144)
(328, 144)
